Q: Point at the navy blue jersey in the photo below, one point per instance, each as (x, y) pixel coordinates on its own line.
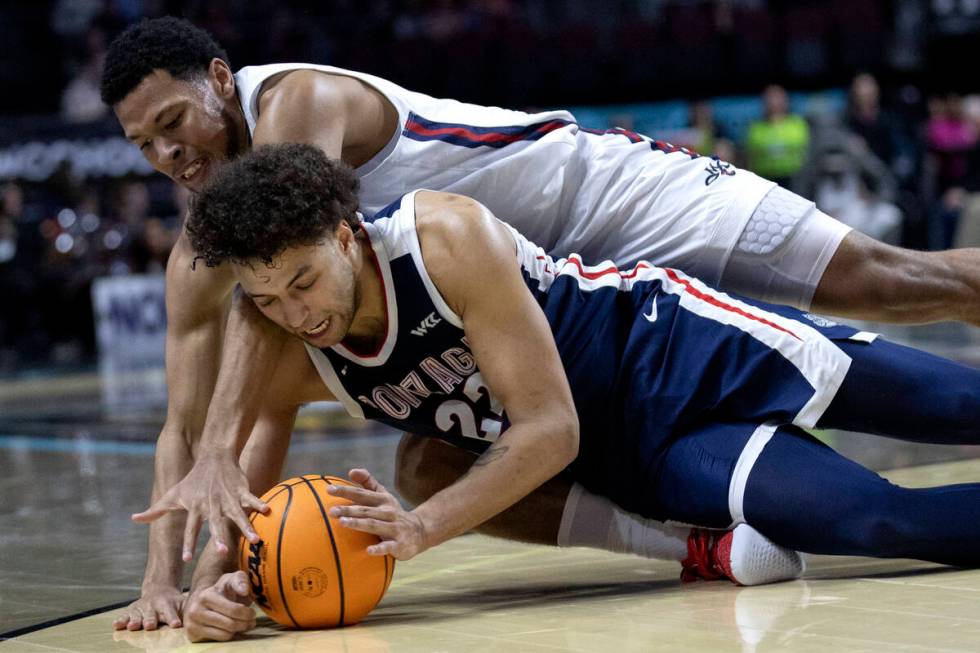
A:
(649, 354)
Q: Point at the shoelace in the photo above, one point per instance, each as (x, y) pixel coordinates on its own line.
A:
(700, 563)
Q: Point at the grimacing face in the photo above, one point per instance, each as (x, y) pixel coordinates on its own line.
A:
(184, 128)
(310, 290)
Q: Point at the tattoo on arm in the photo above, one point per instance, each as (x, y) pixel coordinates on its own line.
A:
(493, 453)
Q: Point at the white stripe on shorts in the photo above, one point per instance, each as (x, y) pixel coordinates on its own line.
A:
(743, 467)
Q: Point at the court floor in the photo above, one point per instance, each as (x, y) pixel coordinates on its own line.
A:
(73, 472)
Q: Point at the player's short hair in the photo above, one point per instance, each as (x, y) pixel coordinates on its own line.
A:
(171, 44)
(270, 199)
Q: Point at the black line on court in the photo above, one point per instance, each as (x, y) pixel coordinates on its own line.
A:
(10, 634)
(17, 632)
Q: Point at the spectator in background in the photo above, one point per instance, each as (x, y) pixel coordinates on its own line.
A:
(776, 146)
(21, 335)
(709, 137)
(80, 100)
(847, 180)
(951, 137)
(964, 231)
(144, 239)
(880, 130)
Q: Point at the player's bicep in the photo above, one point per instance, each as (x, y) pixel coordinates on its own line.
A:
(515, 350)
(506, 328)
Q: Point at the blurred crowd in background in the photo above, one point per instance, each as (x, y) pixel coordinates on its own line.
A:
(900, 160)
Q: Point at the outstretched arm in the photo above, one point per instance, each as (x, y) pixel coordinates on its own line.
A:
(517, 357)
(303, 106)
(214, 607)
(196, 307)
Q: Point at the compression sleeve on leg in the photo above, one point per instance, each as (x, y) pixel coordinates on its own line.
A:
(783, 250)
(596, 522)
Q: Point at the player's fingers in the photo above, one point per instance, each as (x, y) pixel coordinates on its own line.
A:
(379, 528)
(357, 495)
(380, 513)
(135, 618)
(240, 519)
(252, 502)
(227, 621)
(191, 531)
(388, 547)
(169, 613)
(201, 632)
(158, 509)
(363, 477)
(120, 622)
(216, 523)
(150, 621)
(233, 586)
(221, 534)
(231, 610)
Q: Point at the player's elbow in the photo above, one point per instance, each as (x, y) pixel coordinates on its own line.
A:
(566, 435)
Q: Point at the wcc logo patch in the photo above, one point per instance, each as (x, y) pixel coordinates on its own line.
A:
(430, 321)
(718, 168)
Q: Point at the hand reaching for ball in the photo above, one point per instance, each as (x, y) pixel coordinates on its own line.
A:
(220, 611)
(375, 510)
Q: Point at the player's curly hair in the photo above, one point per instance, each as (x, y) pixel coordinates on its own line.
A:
(171, 44)
(270, 199)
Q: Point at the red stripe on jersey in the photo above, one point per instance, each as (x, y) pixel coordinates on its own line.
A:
(489, 137)
(611, 270)
(714, 301)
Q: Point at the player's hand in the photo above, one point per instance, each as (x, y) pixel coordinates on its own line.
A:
(159, 605)
(376, 510)
(215, 490)
(218, 612)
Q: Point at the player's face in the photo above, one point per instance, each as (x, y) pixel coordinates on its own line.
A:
(310, 291)
(184, 128)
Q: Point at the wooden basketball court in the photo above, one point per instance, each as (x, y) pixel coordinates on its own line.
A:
(72, 475)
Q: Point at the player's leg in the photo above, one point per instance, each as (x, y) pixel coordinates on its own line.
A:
(803, 495)
(425, 466)
(870, 280)
(906, 393)
(791, 253)
(564, 513)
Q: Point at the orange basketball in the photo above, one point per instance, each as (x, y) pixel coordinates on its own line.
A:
(309, 571)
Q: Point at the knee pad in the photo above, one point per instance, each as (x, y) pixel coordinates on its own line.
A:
(783, 251)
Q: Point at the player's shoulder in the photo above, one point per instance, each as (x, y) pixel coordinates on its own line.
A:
(448, 215)
(313, 88)
(459, 238)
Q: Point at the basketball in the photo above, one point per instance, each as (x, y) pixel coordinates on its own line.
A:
(308, 571)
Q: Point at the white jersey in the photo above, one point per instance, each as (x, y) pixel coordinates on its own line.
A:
(609, 194)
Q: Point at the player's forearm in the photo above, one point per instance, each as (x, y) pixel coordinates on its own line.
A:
(522, 459)
(252, 347)
(172, 461)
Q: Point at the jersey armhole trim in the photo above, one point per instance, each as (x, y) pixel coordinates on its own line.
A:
(415, 247)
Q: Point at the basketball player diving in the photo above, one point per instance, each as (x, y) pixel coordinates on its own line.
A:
(675, 400)
(607, 195)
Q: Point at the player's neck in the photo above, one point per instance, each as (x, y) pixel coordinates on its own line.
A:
(370, 323)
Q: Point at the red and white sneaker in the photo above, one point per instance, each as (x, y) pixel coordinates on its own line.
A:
(743, 555)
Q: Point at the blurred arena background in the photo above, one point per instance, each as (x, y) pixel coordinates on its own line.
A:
(881, 98)
(889, 141)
